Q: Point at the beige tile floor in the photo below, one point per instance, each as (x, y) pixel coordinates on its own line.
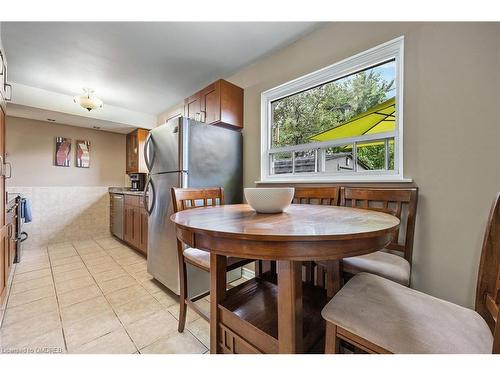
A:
(94, 296)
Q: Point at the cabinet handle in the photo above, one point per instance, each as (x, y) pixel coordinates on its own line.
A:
(8, 93)
(10, 170)
(133, 223)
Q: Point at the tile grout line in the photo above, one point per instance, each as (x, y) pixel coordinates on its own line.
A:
(150, 294)
(107, 300)
(109, 303)
(57, 300)
(163, 307)
(10, 285)
(115, 257)
(9, 291)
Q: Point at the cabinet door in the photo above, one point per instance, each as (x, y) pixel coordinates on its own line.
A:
(132, 153)
(192, 106)
(210, 103)
(128, 226)
(7, 250)
(137, 227)
(143, 241)
(2, 154)
(3, 277)
(12, 246)
(5, 262)
(13, 251)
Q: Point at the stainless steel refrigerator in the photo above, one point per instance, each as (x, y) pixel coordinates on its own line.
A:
(186, 153)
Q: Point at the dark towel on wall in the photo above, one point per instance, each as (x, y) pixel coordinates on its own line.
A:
(26, 210)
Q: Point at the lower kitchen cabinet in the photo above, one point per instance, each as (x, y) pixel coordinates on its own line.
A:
(135, 223)
(3, 272)
(143, 238)
(7, 248)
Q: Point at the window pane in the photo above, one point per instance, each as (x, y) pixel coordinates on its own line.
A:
(391, 154)
(371, 155)
(281, 162)
(305, 161)
(361, 103)
(339, 159)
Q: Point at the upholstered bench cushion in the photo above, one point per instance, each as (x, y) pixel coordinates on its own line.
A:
(197, 256)
(390, 266)
(202, 257)
(403, 320)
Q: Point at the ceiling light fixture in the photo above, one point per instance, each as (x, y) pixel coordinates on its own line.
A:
(88, 100)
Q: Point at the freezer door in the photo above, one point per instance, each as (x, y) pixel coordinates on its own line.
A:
(163, 150)
(214, 158)
(162, 259)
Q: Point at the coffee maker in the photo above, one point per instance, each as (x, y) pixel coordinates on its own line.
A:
(137, 181)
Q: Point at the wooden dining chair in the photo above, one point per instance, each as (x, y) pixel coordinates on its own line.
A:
(323, 195)
(189, 198)
(394, 262)
(378, 315)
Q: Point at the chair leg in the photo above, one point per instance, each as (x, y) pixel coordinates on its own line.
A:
(183, 290)
(258, 268)
(332, 344)
(320, 276)
(309, 272)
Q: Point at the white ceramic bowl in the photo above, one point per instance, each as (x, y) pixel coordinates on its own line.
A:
(269, 200)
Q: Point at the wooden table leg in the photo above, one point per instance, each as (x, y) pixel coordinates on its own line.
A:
(333, 278)
(290, 307)
(217, 291)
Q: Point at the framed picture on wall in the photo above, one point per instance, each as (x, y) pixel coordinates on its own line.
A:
(63, 151)
(82, 154)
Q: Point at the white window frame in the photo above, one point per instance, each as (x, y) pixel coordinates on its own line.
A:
(393, 49)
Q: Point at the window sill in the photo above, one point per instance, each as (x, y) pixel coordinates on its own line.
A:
(337, 180)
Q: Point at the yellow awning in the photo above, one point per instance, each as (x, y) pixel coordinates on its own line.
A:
(378, 119)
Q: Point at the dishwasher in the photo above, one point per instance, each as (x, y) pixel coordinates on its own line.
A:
(117, 215)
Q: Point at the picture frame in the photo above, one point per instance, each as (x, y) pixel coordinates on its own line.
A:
(82, 154)
(62, 155)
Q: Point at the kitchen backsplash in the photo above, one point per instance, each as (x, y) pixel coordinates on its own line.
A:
(65, 213)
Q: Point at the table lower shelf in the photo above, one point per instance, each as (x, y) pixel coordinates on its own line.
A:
(249, 317)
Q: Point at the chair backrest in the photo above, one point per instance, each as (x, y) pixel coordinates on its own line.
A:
(326, 195)
(488, 280)
(400, 202)
(187, 198)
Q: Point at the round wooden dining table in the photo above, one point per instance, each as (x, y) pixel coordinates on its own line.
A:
(263, 317)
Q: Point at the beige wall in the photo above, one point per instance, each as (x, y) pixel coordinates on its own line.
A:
(68, 203)
(30, 149)
(451, 126)
(176, 111)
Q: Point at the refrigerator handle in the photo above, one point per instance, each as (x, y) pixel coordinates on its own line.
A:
(149, 162)
(152, 197)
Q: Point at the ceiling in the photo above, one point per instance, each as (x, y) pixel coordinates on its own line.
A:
(143, 66)
(18, 110)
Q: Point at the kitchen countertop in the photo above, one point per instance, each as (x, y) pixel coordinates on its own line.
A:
(124, 190)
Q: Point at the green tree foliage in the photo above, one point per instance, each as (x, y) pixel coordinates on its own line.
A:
(298, 117)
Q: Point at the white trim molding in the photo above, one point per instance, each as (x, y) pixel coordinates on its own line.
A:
(392, 50)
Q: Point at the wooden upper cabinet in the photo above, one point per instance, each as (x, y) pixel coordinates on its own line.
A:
(210, 103)
(192, 106)
(220, 103)
(135, 151)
